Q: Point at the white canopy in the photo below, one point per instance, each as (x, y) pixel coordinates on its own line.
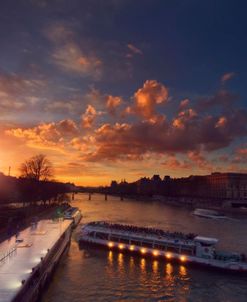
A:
(207, 240)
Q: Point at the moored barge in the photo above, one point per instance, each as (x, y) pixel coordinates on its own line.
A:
(163, 244)
(28, 260)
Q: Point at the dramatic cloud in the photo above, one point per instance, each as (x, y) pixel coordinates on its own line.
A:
(71, 58)
(184, 104)
(199, 160)
(89, 117)
(49, 135)
(68, 53)
(183, 118)
(173, 163)
(190, 133)
(18, 93)
(112, 102)
(227, 76)
(222, 98)
(147, 98)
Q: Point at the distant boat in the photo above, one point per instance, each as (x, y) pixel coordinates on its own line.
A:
(208, 214)
(74, 214)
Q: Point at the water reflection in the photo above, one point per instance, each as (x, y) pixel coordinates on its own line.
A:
(120, 261)
(169, 269)
(143, 265)
(155, 266)
(110, 258)
(182, 270)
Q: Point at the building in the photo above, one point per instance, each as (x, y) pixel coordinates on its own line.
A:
(221, 186)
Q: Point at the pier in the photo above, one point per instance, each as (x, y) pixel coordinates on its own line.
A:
(28, 260)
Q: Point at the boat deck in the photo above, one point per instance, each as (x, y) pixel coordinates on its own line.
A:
(141, 236)
(18, 259)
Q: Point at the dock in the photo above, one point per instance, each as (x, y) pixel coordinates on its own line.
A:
(26, 261)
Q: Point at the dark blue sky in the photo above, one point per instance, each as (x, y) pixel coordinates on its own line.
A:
(57, 57)
(187, 45)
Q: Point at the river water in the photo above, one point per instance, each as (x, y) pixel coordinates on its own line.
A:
(89, 274)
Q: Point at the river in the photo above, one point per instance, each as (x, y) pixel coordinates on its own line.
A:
(99, 275)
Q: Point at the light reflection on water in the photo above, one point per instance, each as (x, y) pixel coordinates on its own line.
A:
(89, 274)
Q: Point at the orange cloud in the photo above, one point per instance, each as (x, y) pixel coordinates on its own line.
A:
(69, 55)
(147, 98)
(88, 118)
(227, 76)
(112, 102)
(183, 118)
(184, 104)
(222, 121)
(134, 49)
(71, 58)
(49, 135)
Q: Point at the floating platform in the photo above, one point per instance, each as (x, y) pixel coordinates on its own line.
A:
(26, 262)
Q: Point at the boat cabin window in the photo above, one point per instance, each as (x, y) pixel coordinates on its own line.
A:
(101, 235)
(147, 244)
(172, 249)
(206, 244)
(114, 238)
(124, 240)
(187, 251)
(135, 242)
(160, 246)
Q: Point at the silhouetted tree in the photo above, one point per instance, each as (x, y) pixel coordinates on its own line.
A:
(37, 167)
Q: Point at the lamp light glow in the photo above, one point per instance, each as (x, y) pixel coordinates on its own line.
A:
(183, 258)
(110, 244)
(120, 246)
(168, 256)
(132, 247)
(155, 253)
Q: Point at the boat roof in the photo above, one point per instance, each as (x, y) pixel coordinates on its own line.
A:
(102, 225)
(206, 239)
(18, 266)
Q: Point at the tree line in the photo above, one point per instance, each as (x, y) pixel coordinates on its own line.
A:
(35, 184)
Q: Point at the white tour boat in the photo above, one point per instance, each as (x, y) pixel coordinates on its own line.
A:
(208, 214)
(74, 214)
(28, 260)
(158, 243)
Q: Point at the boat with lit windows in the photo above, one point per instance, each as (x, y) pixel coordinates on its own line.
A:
(163, 244)
(73, 213)
(205, 213)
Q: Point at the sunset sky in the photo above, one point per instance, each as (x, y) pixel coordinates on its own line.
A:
(120, 89)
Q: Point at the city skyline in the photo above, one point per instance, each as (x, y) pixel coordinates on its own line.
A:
(116, 89)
